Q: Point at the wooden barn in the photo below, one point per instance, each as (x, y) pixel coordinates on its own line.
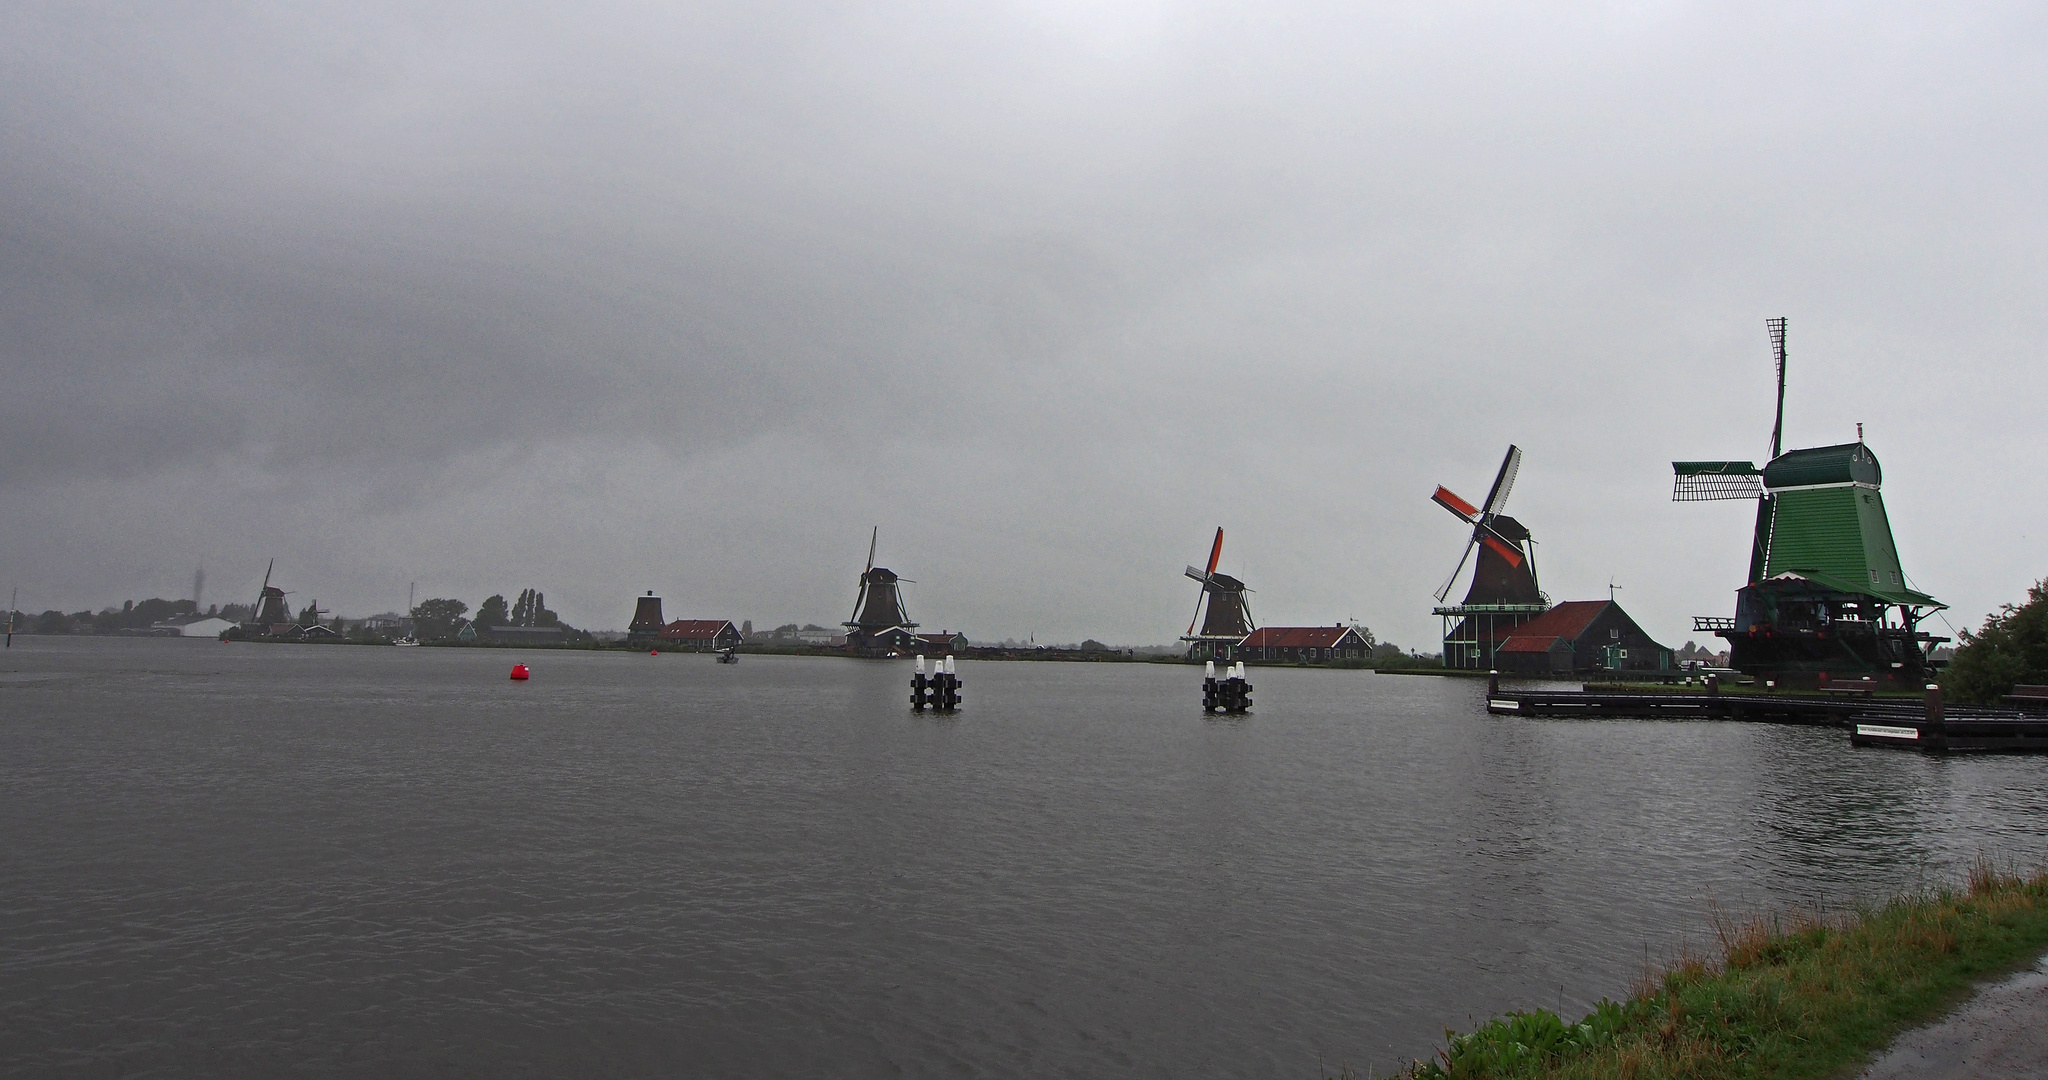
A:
(943, 643)
(1580, 637)
(700, 635)
(1304, 644)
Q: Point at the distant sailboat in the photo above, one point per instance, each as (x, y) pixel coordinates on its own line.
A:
(408, 639)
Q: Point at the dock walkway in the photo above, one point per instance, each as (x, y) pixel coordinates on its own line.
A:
(1870, 720)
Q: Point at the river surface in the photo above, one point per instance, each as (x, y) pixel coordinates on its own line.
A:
(256, 860)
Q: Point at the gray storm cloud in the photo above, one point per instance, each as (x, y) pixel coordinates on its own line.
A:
(688, 297)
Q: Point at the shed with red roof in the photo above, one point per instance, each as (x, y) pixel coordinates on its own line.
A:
(1304, 644)
(700, 635)
(1580, 636)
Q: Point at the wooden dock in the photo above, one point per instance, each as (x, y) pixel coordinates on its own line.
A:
(1870, 720)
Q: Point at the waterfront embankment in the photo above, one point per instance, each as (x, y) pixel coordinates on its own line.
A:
(1804, 994)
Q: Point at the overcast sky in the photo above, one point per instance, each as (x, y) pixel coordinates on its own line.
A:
(602, 298)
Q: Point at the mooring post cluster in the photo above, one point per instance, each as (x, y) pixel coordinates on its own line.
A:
(1230, 693)
(939, 691)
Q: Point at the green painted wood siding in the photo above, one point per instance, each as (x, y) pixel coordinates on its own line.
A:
(1842, 532)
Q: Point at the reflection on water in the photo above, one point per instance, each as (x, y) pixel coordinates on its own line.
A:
(246, 859)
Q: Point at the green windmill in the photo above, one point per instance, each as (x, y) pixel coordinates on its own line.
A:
(1827, 601)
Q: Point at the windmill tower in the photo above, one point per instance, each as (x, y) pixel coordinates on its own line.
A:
(1503, 593)
(880, 626)
(1826, 598)
(1229, 617)
(647, 621)
(273, 614)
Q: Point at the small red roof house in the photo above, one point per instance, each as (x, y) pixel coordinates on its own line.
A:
(943, 642)
(1303, 644)
(700, 635)
(1580, 636)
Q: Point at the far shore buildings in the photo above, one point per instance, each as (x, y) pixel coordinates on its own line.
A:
(1304, 644)
(942, 643)
(649, 630)
(205, 627)
(699, 635)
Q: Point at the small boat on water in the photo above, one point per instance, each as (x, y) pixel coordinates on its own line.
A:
(728, 656)
(408, 639)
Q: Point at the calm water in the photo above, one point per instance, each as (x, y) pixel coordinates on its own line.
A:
(250, 860)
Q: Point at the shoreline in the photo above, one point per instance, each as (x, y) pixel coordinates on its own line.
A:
(1800, 995)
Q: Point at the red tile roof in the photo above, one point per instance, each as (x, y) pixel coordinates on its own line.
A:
(1566, 621)
(694, 629)
(1298, 637)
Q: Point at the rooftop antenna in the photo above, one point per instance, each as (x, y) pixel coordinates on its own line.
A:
(1612, 588)
(1777, 327)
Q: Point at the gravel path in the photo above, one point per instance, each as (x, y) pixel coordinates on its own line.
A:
(2000, 1033)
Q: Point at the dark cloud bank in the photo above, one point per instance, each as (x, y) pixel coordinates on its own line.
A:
(687, 298)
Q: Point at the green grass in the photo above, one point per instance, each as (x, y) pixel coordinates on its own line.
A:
(1803, 995)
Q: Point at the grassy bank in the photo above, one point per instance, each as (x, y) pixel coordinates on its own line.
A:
(1788, 996)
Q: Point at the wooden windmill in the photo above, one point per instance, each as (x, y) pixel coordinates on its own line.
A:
(1503, 593)
(1228, 616)
(1826, 600)
(880, 625)
(273, 615)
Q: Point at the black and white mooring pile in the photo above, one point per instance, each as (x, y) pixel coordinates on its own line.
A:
(939, 691)
(1230, 693)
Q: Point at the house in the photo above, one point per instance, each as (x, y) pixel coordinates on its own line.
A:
(1578, 637)
(1304, 644)
(700, 635)
(941, 643)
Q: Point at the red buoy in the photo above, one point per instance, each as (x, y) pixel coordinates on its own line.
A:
(519, 672)
(654, 652)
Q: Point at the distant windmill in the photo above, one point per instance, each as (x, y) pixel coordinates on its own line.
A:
(1229, 615)
(271, 609)
(1503, 593)
(879, 621)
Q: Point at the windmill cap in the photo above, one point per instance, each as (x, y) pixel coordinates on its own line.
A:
(1843, 464)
